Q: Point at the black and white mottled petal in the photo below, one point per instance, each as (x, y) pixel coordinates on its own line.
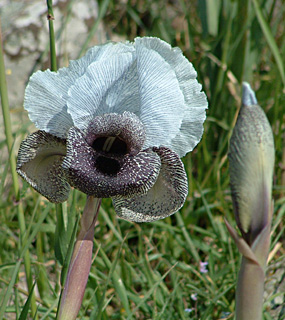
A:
(39, 163)
(105, 176)
(166, 196)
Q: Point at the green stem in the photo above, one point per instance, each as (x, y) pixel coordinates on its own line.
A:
(50, 17)
(12, 161)
(7, 121)
(249, 293)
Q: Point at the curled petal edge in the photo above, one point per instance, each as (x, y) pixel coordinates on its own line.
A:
(39, 163)
(166, 197)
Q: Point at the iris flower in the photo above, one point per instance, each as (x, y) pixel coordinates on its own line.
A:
(115, 123)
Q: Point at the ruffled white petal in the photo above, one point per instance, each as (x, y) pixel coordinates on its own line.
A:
(191, 129)
(148, 78)
(108, 86)
(161, 100)
(45, 100)
(47, 92)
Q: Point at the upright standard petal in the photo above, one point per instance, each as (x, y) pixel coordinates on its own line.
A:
(166, 196)
(45, 101)
(162, 102)
(47, 92)
(39, 163)
(104, 88)
(191, 130)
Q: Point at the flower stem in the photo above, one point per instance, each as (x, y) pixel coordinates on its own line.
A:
(80, 264)
(50, 18)
(249, 292)
(12, 160)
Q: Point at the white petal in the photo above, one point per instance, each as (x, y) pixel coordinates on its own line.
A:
(45, 100)
(47, 92)
(162, 102)
(195, 100)
(191, 130)
(106, 87)
(248, 95)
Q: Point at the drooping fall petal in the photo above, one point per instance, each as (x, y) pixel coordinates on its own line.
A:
(166, 196)
(39, 162)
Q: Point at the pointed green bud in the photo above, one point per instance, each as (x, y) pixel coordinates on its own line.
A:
(251, 159)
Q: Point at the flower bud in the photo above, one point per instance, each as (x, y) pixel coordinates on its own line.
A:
(251, 163)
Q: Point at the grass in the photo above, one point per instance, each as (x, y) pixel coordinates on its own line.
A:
(151, 271)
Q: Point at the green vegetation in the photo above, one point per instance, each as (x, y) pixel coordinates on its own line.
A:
(152, 270)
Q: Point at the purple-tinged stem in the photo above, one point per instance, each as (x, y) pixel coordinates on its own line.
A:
(80, 263)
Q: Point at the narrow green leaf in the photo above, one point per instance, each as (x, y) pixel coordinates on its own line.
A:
(9, 289)
(69, 253)
(213, 13)
(102, 10)
(61, 241)
(25, 311)
(270, 39)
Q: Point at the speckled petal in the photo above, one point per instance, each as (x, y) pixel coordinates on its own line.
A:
(166, 196)
(134, 175)
(47, 92)
(39, 163)
(126, 126)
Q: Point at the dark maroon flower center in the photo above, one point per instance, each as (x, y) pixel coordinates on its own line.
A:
(110, 145)
(111, 151)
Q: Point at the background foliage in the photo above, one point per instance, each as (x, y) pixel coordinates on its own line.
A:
(152, 271)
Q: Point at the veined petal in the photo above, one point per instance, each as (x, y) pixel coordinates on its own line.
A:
(39, 163)
(103, 177)
(195, 105)
(162, 102)
(166, 196)
(47, 92)
(106, 87)
(45, 101)
(191, 131)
